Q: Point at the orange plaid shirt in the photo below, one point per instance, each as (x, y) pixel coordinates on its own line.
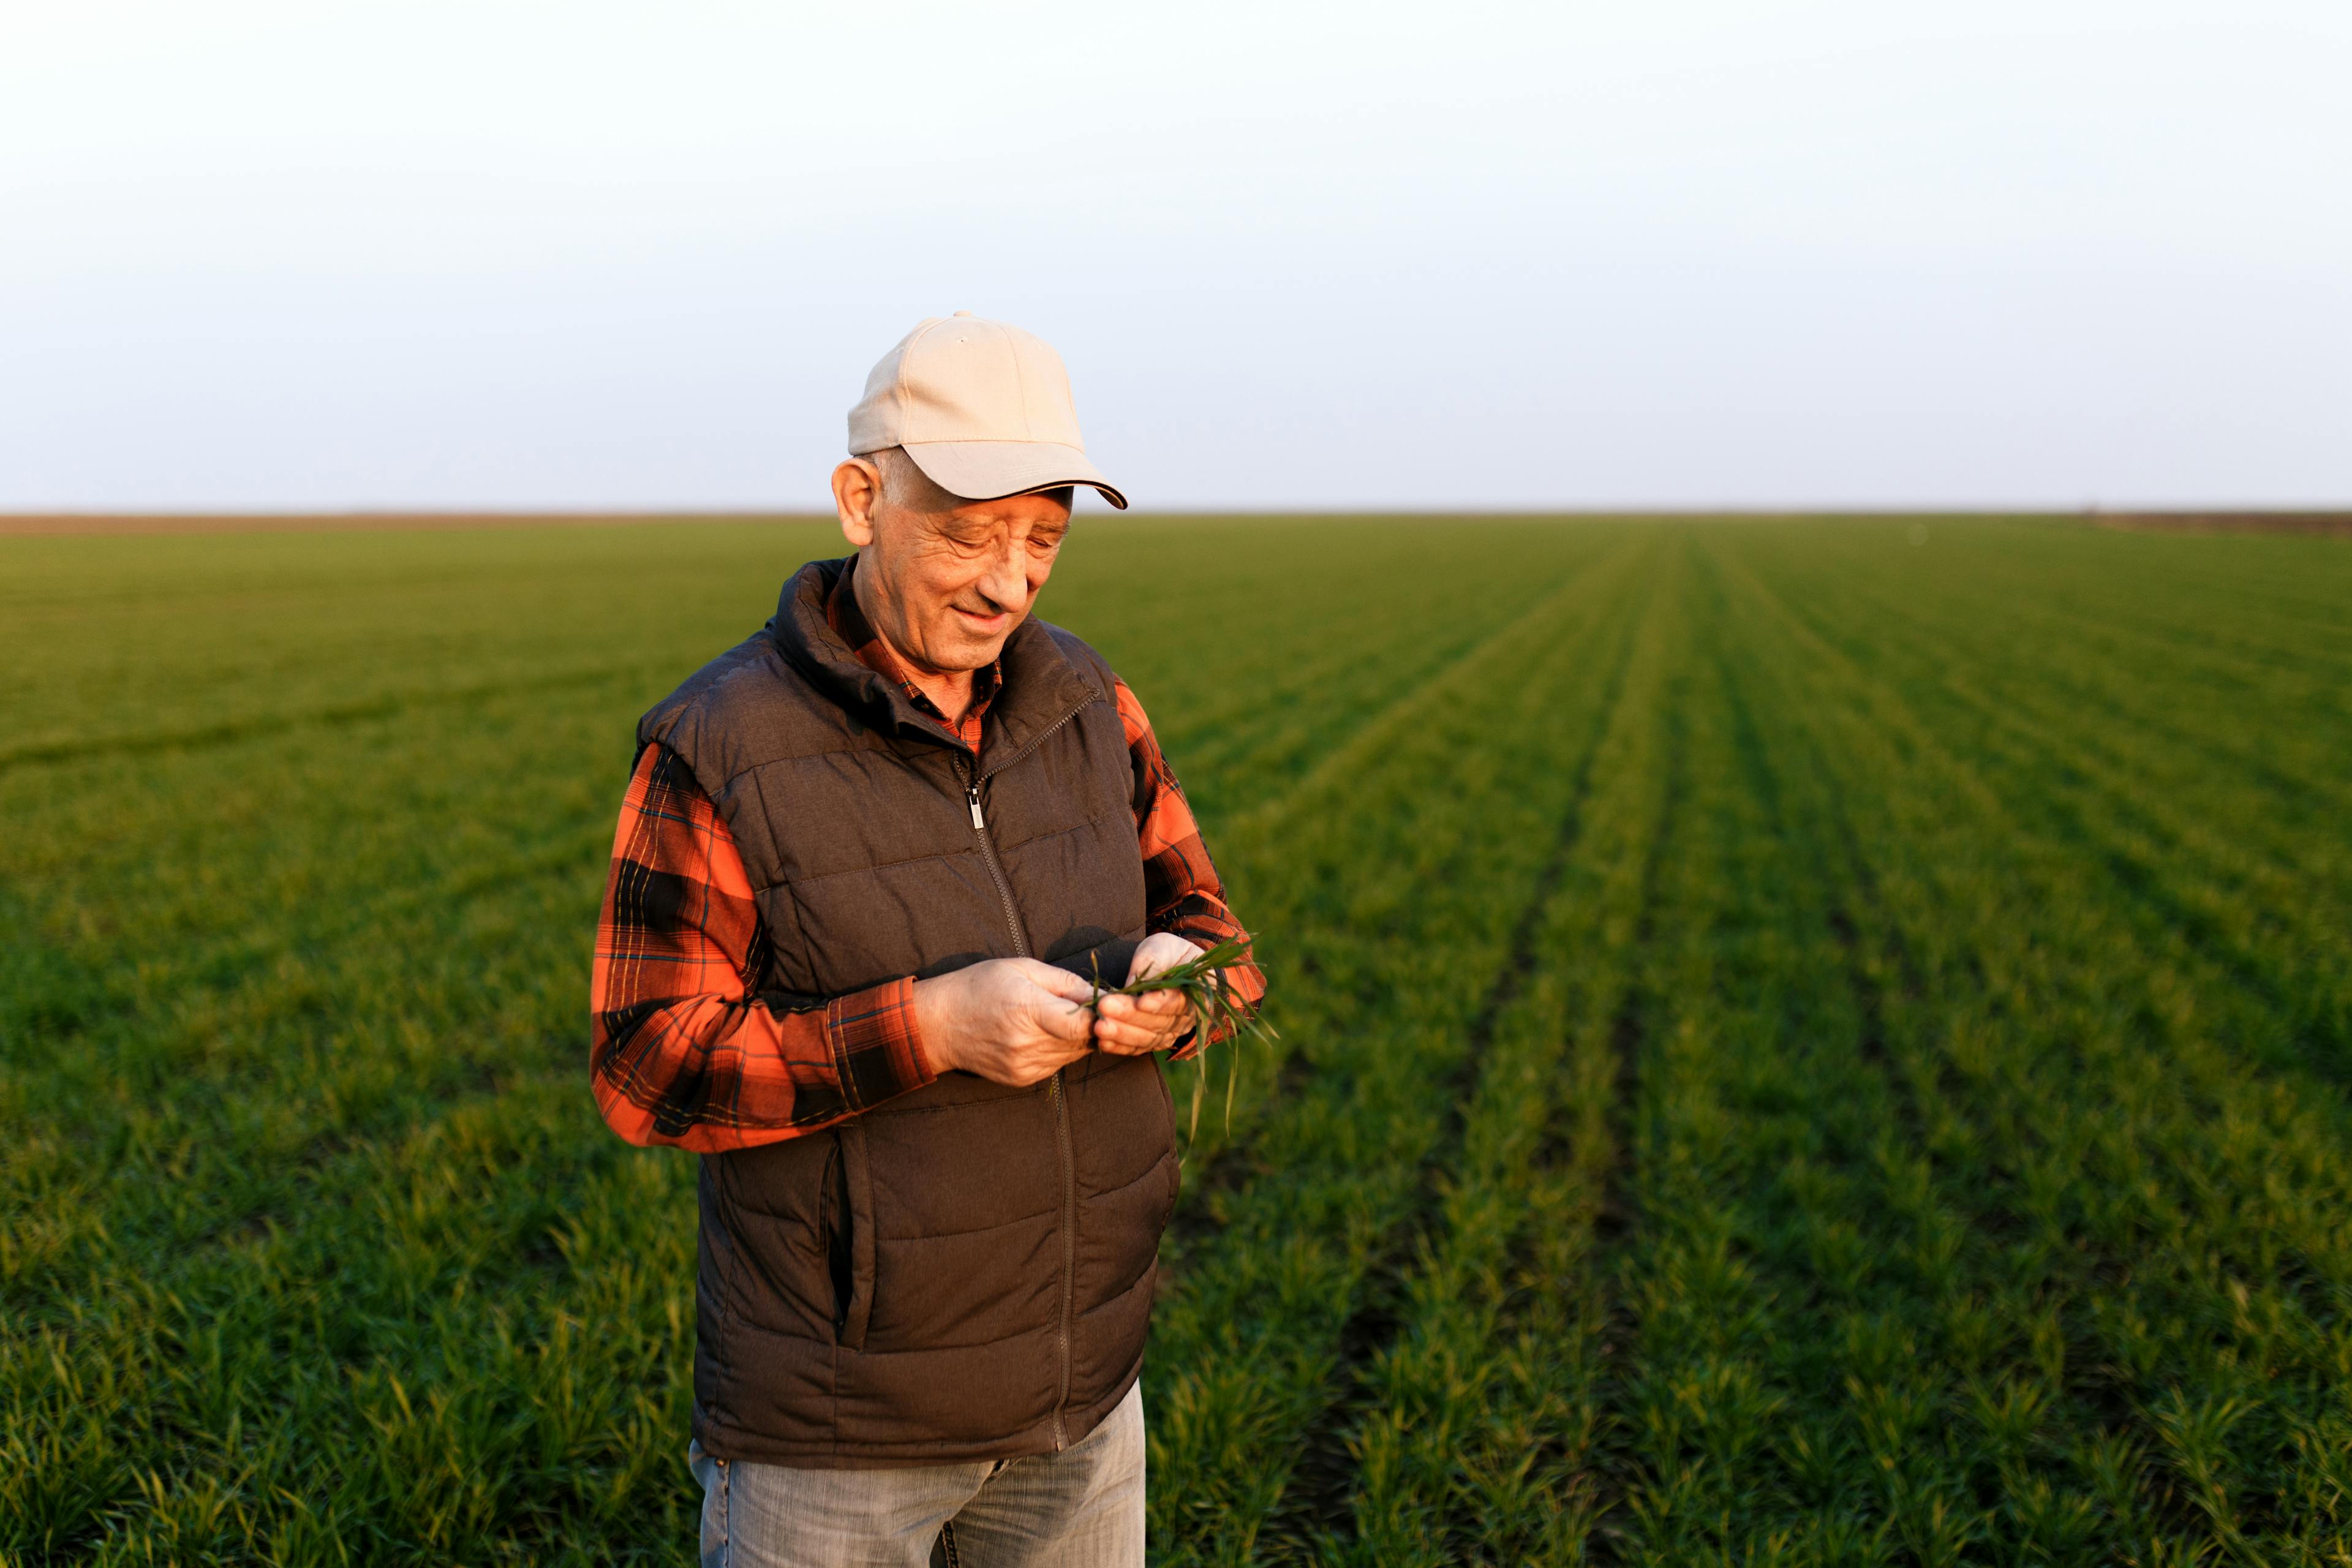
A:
(684, 1051)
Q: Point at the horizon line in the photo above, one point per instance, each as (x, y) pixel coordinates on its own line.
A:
(58, 521)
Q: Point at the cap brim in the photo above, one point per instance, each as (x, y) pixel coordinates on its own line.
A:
(991, 470)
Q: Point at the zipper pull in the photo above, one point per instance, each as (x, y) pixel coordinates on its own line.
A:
(972, 792)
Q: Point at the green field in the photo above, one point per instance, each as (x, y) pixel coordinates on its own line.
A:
(1802, 1042)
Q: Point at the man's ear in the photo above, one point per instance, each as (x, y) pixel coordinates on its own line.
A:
(856, 492)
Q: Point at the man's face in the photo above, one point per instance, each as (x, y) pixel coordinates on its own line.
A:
(947, 587)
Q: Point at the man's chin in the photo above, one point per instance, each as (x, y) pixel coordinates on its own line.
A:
(972, 644)
(968, 653)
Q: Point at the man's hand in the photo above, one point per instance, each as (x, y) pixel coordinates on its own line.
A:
(1138, 1025)
(1012, 1020)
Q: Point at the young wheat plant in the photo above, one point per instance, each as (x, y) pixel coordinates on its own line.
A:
(1215, 1015)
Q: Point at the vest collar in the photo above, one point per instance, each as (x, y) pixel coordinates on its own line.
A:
(1040, 687)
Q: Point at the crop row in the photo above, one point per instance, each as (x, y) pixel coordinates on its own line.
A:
(1799, 1046)
(1398, 905)
(1893, 1129)
(301, 1159)
(1972, 1227)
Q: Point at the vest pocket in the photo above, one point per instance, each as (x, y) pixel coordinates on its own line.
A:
(849, 1250)
(833, 1230)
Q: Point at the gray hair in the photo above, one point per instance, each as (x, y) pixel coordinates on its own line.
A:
(904, 484)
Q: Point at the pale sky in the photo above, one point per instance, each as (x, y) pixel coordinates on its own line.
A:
(2004, 252)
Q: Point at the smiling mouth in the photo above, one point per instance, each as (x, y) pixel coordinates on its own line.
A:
(987, 618)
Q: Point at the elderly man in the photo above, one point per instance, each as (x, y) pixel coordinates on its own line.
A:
(869, 861)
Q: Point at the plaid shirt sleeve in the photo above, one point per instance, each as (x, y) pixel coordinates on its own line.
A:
(1181, 892)
(682, 1052)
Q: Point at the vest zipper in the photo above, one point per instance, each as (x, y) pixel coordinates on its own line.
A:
(1038, 739)
(988, 853)
(1069, 1246)
(1052, 1094)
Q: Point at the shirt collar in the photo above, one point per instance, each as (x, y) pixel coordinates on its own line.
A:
(847, 619)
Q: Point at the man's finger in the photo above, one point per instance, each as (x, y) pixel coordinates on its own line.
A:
(1153, 1024)
(1161, 1001)
(1150, 1002)
(1159, 952)
(1075, 1028)
(1126, 1041)
(1123, 1047)
(1064, 1020)
(1064, 984)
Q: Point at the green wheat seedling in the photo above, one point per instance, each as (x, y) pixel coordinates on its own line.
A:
(1828, 1047)
(1215, 1015)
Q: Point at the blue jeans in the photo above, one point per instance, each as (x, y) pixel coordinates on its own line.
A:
(1082, 1508)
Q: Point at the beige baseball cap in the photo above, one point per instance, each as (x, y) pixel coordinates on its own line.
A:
(982, 408)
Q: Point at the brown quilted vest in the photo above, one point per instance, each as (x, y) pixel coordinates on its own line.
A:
(965, 1271)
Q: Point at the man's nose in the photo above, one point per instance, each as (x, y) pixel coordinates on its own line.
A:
(1007, 579)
